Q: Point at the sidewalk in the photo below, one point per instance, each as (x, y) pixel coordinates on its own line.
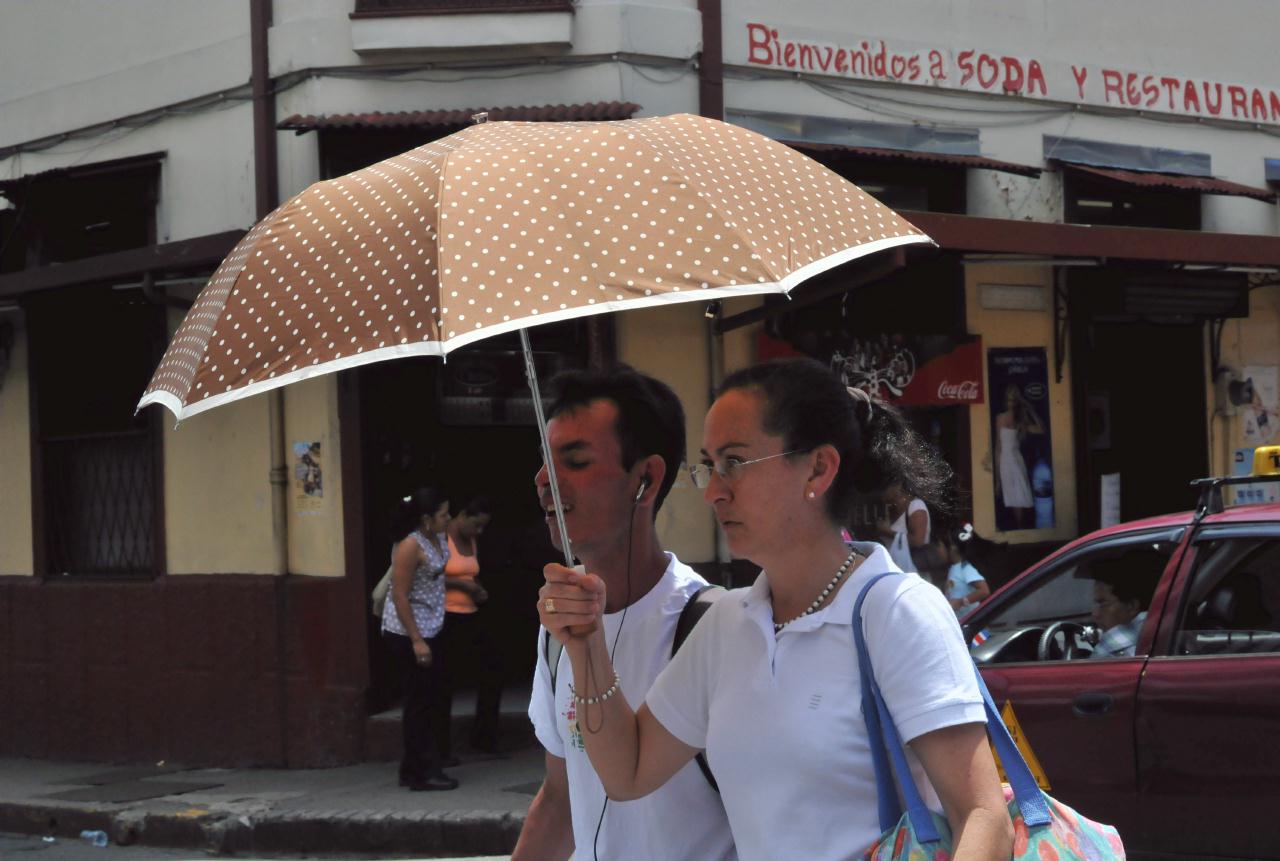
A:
(355, 809)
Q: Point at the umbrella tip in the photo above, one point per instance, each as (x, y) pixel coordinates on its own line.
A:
(482, 117)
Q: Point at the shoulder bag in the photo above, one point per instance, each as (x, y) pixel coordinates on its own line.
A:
(1043, 827)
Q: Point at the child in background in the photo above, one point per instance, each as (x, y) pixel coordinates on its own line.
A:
(966, 587)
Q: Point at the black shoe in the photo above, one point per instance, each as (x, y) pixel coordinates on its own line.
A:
(450, 762)
(436, 782)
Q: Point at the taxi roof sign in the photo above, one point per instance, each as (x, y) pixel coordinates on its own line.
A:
(1266, 460)
(1210, 489)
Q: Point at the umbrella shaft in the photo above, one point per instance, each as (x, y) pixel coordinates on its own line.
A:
(531, 375)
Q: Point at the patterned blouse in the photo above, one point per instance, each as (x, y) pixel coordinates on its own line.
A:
(426, 591)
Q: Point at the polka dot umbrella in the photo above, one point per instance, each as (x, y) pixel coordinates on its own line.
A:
(505, 225)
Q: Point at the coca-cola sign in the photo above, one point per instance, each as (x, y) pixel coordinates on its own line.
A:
(969, 391)
(908, 370)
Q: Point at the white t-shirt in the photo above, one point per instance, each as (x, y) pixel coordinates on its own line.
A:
(781, 717)
(960, 579)
(682, 820)
(899, 548)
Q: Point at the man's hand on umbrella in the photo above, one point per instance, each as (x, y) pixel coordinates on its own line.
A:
(569, 599)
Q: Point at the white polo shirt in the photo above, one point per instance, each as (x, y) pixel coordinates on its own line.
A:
(781, 719)
(684, 819)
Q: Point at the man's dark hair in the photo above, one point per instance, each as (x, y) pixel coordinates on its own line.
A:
(1132, 576)
(650, 416)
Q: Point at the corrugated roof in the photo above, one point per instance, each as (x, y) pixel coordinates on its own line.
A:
(460, 117)
(933, 158)
(1175, 182)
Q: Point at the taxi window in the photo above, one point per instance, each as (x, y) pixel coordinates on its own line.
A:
(1082, 618)
(1233, 606)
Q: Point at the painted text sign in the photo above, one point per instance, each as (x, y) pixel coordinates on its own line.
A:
(976, 69)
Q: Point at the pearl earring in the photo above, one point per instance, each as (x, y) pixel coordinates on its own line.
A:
(811, 494)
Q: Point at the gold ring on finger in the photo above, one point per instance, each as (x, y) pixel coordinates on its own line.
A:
(550, 605)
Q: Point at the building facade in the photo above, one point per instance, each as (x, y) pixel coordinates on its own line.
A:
(1097, 326)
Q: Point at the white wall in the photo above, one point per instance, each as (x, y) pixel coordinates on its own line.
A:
(65, 64)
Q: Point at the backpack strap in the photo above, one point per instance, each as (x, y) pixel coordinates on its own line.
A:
(694, 609)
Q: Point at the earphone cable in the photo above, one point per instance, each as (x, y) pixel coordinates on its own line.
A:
(613, 651)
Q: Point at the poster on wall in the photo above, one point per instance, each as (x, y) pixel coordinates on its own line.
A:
(308, 477)
(1260, 420)
(1021, 449)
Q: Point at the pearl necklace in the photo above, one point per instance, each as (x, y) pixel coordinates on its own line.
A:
(853, 554)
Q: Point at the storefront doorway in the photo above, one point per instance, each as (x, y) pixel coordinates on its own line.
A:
(1141, 415)
(465, 425)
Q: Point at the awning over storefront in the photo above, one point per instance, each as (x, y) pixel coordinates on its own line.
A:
(460, 117)
(1045, 240)
(929, 158)
(1172, 182)
(200, 255)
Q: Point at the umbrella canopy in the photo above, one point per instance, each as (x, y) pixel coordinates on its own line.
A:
(505, 225)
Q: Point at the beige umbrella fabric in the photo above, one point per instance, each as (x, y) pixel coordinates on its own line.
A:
(506, 225)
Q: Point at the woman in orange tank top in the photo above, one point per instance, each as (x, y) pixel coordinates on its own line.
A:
(476, 662)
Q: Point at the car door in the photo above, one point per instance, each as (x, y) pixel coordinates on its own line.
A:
(1076, 712)
(1208, 727)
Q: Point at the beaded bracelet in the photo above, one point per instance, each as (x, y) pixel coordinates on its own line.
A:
(591, 701)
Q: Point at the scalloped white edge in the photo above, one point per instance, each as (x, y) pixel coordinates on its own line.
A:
(443, 348)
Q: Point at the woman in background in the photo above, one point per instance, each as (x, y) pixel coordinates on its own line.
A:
(411, 623)
(469, 648)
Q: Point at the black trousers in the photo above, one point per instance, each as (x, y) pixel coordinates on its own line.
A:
(425, 720)
(473, 653)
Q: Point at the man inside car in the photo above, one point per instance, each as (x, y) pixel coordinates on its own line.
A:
(1119, 609)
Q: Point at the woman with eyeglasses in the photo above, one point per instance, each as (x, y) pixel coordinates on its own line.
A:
(768, 683)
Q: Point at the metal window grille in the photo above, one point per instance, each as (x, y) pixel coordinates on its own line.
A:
(100, 503)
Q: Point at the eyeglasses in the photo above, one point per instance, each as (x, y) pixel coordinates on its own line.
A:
(729, 469)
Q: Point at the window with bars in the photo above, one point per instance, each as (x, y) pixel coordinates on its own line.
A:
(98, 483)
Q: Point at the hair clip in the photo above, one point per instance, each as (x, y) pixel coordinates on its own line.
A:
(965, 533)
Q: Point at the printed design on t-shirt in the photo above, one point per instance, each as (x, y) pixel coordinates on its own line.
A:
(571, 719)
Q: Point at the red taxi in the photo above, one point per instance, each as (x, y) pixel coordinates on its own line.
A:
(1175, 739)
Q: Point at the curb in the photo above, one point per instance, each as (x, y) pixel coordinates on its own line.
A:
(442, 833)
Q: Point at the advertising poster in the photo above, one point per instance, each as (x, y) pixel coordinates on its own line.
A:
(1021, 450)
(905, 370)
(1259, 415)
(308, 477)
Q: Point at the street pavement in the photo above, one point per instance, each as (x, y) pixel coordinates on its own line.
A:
(358, 809)
(28, 848)
(14, 847)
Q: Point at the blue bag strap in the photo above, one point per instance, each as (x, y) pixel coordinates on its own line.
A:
(1031, 801)
(883, 737)
(885, 744)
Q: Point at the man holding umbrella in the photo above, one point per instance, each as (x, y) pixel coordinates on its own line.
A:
(617, 439)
